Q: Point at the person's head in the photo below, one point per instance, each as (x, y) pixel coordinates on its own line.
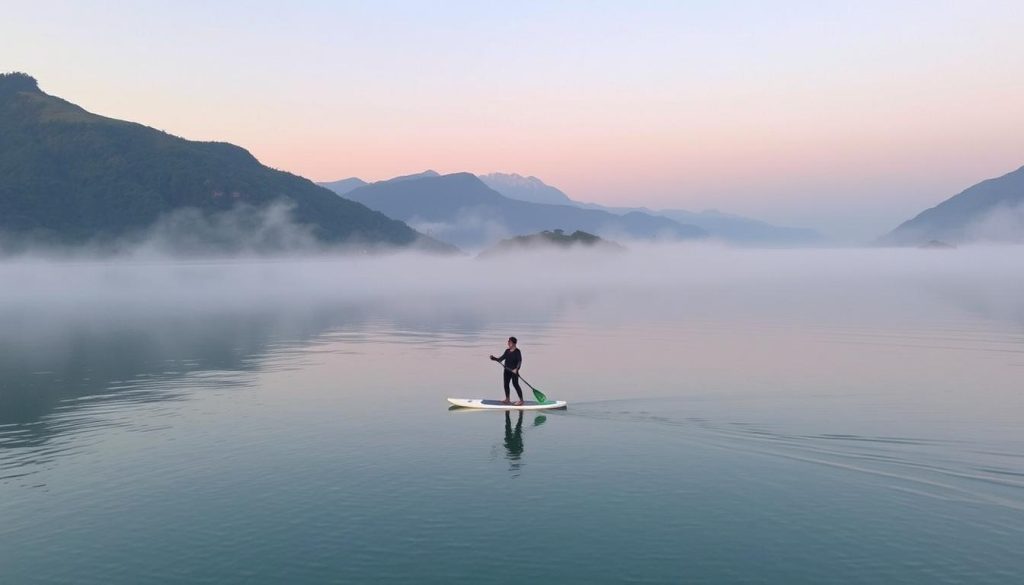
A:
(512, 342)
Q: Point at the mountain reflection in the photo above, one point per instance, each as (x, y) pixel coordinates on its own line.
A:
(62, 362)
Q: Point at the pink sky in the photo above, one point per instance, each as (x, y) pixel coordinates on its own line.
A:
(845, 119)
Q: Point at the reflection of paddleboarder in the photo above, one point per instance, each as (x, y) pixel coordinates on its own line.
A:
(512, 359)
(514, 438)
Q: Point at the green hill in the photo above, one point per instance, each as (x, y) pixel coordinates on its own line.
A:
(69, 176)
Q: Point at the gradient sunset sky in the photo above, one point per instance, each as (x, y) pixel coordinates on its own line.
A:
(848, 117)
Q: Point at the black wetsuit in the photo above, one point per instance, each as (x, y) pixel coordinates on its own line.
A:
(513, 359)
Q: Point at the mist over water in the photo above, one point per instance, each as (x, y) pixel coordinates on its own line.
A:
(848, 412)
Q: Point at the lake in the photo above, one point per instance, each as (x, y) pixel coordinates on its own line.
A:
(735, 416)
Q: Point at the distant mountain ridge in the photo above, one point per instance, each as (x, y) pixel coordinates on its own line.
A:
(461, 209)
(731, 228)
(427, 173)
(744, 230)
(990, 211)
(727, 227)
(523, 188)
(344, 185)
(69, 176)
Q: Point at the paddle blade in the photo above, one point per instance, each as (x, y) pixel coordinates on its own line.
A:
(539, 396)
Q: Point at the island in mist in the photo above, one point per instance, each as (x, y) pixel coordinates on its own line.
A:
(549, 240)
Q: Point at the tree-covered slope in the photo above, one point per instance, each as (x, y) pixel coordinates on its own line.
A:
(70, 176)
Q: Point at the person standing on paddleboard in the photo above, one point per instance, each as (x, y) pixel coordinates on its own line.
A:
(513, 359)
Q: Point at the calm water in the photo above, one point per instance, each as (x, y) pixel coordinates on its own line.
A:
(735, 417)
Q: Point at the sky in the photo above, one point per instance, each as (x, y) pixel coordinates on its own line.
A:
(848, 117)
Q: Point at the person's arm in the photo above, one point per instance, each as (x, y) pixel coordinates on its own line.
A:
(520, 364)
(499, 359)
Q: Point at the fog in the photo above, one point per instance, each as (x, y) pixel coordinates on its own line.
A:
(470, 229)
(788, 283)
(82, 327)
(242, 231)
(1001, 225)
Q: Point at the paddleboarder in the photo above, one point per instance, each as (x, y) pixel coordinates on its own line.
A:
(513, 359)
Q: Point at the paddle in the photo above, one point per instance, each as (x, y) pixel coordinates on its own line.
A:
(536, 393)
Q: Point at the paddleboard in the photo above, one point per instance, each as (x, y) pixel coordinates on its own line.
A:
(497, 404)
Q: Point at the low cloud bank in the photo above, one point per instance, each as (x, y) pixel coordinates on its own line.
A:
(154, 316)
(656, 277)
(1004, 225)
(242, 231)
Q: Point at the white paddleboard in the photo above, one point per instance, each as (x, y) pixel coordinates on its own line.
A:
(497, 404)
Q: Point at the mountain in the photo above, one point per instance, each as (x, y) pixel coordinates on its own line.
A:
(427, 173)
(345, 185)
(69, 176)
(743, 230)
(462, 210)
(734, 229)
(991, 211)
(554, 239)
(523, 188)
(730, 228)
